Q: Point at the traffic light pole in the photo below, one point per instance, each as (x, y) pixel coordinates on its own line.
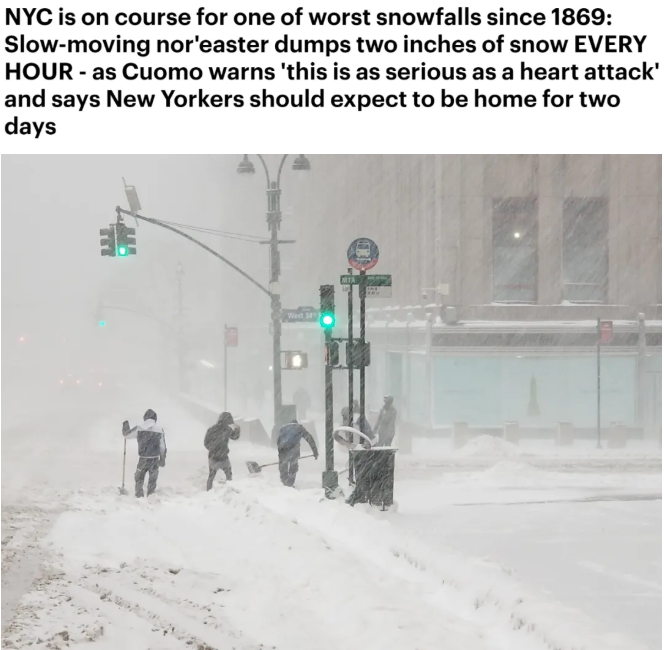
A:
(351, 378)
(274, 220)
(181, 379)
(225, 367)
(161, 224)
(363, 298)
(330, 477)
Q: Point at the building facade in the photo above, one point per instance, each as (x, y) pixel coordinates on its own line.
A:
(529, 251)
(521, 236)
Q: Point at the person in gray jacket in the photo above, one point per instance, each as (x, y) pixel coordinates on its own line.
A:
(151, 451)
(386, 427)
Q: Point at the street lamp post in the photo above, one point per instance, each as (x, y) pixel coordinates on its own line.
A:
(301, 163)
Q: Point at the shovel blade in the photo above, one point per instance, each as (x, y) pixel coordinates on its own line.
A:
(123, 491)
(253, 467)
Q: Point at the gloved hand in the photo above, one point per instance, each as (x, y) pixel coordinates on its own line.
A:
(125, 426)
(162, 461)
(316, 456)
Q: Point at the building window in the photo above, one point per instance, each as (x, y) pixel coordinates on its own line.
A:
(585, 250)
(515, 250)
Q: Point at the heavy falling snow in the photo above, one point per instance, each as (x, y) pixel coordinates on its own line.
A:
(512, 527)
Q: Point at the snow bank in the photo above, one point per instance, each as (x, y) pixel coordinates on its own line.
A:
(491, 446)
(256, 563)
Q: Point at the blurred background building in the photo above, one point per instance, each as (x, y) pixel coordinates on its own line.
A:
(501, 266)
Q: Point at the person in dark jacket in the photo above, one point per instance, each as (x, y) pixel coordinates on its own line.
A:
(151, 451)
(216, 442)
(386, 427)
(288, 446)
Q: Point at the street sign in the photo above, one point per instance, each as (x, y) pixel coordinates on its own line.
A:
(363, 254)
(378, 286)
(300, 315)
(231, 337)
(372, 280)
(606, 331)
(373, 292)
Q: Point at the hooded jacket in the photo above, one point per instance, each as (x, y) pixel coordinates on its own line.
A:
(151, 439)
(290, 437)
(218, 436)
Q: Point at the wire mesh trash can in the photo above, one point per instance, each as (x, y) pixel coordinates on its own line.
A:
(373, 470)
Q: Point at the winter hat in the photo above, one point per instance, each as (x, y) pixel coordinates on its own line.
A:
(150, 415)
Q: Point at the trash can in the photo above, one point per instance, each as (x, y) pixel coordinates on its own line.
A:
(373, 471)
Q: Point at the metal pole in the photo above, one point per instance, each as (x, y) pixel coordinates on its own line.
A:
(363, 298)
(599, 340)
(161, 224)
(225, 367)
(274, 219)
(329, 408)
(330, 477)
(180, 273)
(641, 372)
(351, 394)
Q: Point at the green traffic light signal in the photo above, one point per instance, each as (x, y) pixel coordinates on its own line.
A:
(123, 251)
(327, 320)
(102, 323)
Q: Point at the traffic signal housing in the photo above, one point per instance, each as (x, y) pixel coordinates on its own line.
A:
(358, 354)
(327, 318)
(332, 354)
(108, 241)
(296, 360)
(125, 242)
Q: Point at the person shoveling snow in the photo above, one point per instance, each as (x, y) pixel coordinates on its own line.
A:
(151, 451)
(288, 446)
(216, 442)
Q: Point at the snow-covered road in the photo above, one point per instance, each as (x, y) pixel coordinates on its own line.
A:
(602, 557)
(256, 565)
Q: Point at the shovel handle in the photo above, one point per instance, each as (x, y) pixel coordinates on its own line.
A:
(124, 462)
(299, 458)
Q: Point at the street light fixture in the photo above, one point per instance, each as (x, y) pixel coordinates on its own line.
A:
(273, 192)
(246, 166)
(301, 164)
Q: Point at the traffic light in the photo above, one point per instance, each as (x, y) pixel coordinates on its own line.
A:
(327, 317)
(296, 360)
(357, 354)
(108, 243)
(124, 241)
(332, 354)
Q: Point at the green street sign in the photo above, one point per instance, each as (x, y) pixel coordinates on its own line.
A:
(372, 280)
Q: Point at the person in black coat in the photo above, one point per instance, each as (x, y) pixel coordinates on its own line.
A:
(216, 442)
(288, 446)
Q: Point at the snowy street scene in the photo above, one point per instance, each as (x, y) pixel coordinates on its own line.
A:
(381, 402)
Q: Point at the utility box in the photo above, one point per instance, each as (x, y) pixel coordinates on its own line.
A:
(374, 476)
(617, 436)
(460, 434)
(565, 434)
(511, 432)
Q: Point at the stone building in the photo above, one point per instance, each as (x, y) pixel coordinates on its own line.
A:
(501, 266)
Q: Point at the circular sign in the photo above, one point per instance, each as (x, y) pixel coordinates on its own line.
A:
(363, 254)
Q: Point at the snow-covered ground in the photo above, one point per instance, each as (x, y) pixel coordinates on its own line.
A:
(507, 553)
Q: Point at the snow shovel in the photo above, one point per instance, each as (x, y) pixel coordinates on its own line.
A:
(123, 490)
(254, 468)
